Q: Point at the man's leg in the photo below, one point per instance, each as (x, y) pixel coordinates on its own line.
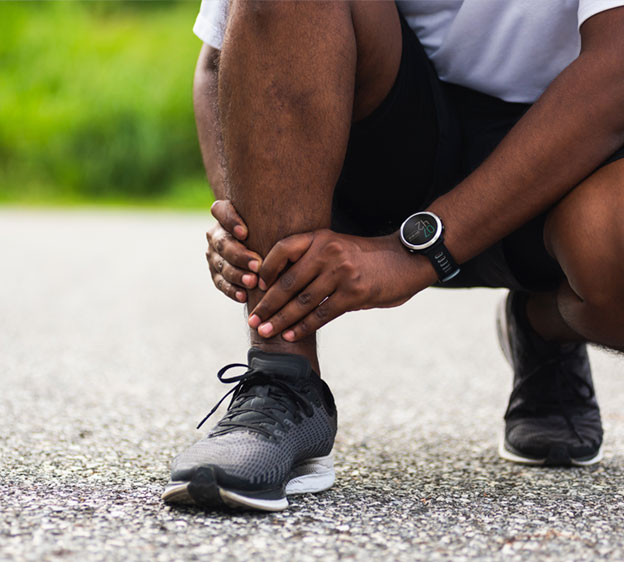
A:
(292, 77)
(585, 234)
(553, 416)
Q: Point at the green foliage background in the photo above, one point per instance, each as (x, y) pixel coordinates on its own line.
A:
(96, 103)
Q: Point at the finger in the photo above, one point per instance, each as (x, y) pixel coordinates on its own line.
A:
(287, 286)
(287, 250)
(235, 293)
(226, 214)
(329, 309)
(233, 275)
(295, 310)
(233, 251)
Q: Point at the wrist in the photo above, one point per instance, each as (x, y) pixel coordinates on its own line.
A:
(414, 271)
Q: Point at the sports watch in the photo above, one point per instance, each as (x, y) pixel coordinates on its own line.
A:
(422, 233)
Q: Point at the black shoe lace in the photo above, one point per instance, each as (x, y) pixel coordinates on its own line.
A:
(282, 400)
(561, 382)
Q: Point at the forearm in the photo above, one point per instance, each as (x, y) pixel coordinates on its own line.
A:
(204, 102)
(574, 126)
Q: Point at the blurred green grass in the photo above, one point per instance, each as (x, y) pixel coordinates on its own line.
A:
(96, 104)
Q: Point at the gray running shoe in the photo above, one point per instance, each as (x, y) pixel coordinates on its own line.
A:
(275, 439)
(553, 417)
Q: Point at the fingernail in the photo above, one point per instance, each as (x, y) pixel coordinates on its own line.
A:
(254, 321)
(262, 285)
(254, 265)
(248, 279)
(240, 295)
(289, 335)
(239, 231)
(265, 329)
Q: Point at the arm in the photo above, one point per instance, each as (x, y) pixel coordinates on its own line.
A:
(576, 124)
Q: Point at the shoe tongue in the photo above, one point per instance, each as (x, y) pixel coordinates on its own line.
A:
(258, 401)
(294, 369)
(285, 365)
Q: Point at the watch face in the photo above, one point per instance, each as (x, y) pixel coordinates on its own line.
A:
(421, 230)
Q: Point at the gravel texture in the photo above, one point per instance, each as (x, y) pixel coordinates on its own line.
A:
(110, 338)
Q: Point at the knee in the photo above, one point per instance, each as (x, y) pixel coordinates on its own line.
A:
(262, 15)
(257, 11)
(255, 20)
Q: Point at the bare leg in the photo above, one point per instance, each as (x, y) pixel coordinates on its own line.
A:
(585, 233)
(544, 316)
(292, 76)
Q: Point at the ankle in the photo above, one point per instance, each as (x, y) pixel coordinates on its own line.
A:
(305, 348)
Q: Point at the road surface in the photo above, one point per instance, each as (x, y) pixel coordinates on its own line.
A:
(110, 339)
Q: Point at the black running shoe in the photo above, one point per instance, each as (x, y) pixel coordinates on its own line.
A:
(275, 439)
(552, 418)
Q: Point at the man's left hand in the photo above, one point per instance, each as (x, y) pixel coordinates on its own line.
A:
(332, 274)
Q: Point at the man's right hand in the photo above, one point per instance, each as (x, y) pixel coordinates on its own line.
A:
(232, 266)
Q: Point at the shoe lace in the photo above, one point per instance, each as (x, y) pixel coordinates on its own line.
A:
(562, 383)
(281, 400)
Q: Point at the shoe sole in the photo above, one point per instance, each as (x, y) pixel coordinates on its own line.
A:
(310, 476)
(556, 457)
(501, 330)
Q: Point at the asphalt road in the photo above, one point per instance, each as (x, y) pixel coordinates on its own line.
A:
(110, 338)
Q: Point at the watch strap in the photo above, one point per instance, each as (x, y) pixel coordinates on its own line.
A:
(443, 263)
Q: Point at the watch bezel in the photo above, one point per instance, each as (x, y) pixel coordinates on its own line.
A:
(436, 236)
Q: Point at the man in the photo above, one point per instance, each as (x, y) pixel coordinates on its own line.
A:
(353, 173)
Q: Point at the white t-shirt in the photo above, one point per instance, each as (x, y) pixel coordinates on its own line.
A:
(511, 49)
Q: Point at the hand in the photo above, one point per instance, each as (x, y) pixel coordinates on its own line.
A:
(232, 266)
(332, 274)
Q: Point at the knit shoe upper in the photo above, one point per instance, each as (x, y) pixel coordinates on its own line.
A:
(553, 416)
(278, 432)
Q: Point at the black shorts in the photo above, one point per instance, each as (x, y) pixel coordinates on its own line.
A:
(423, 139)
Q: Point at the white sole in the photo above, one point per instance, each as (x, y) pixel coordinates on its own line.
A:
(312, 475)
(501, 329)
(507, 455)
